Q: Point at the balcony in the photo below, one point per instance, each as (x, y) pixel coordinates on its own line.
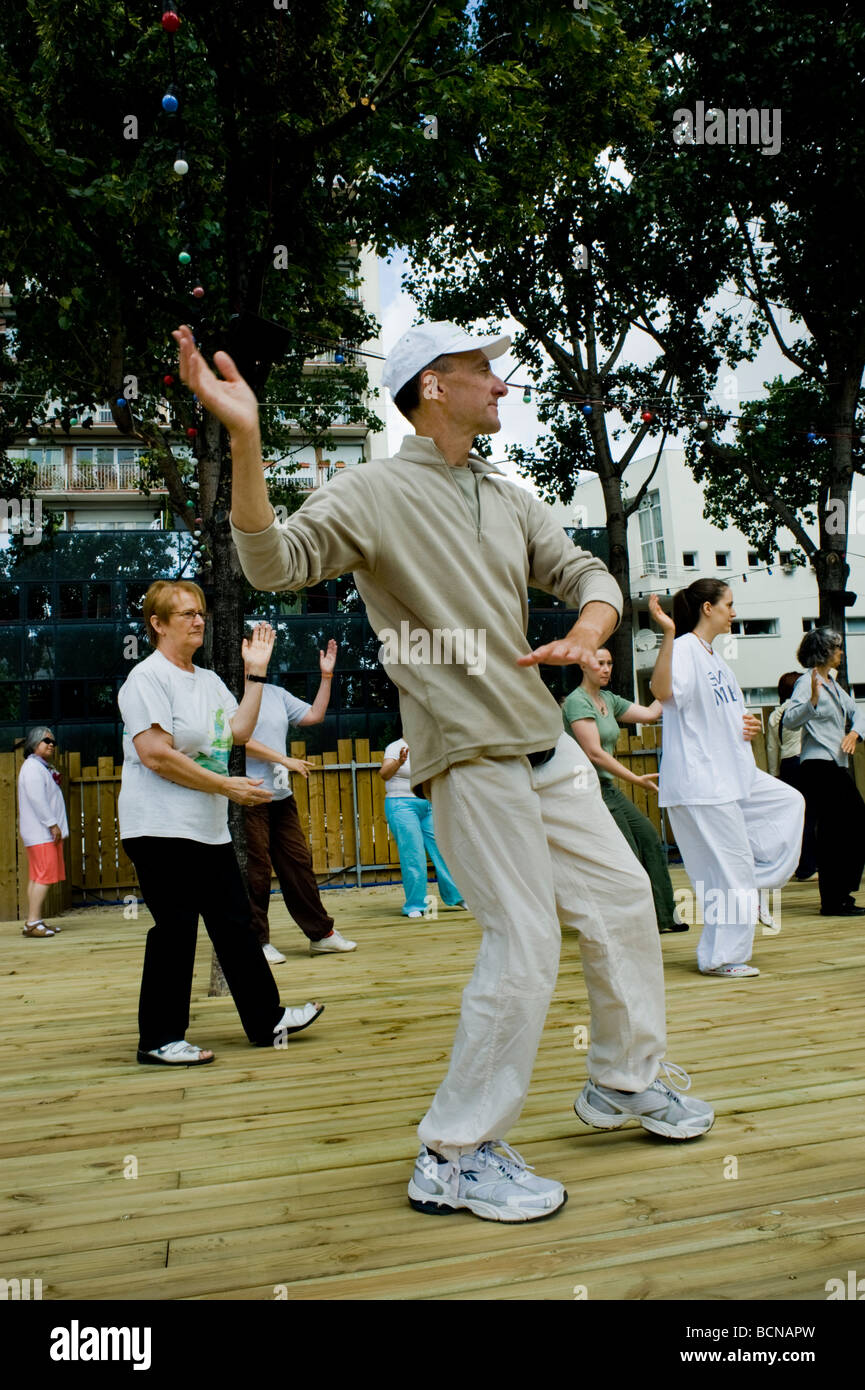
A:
(117, 476)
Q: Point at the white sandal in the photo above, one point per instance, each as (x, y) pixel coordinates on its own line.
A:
(175, 1054)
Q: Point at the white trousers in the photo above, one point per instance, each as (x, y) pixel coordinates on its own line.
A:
(730, 852)
(532, 848)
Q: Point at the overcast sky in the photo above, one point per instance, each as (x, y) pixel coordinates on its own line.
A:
(519, 421)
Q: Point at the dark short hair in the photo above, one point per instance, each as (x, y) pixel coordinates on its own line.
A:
(688, 603)
(817, 646)
(407, 398)
(786, 684)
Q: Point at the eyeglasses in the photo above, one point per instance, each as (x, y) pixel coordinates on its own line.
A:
(52, 741)
(190, 614)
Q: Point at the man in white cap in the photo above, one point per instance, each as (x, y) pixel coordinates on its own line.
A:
(443, 549)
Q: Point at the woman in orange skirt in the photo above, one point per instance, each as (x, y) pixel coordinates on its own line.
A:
(43, 822)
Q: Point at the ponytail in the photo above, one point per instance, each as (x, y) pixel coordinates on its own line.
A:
(688, 603)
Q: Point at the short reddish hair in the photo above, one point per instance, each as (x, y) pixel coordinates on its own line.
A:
(158, 600)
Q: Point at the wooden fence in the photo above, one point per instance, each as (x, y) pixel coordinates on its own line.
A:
(341, 810)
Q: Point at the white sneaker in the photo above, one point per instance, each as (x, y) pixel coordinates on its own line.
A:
(658, 1109)
(270, 953)
(414, 915)
(732, 971)
(334, 942)
(494, 1186)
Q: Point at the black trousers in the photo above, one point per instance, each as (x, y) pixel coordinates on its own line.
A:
(789, 773)
(180, 881)
(839, 819)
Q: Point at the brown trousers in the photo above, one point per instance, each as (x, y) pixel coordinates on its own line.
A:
(274, 836)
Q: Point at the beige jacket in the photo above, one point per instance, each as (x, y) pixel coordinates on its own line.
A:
(446, 597)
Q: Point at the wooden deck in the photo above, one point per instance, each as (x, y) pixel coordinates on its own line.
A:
(283, 1174)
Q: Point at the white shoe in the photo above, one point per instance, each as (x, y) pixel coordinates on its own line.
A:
(732, 971)
(334, 942)
(494, 1186)
(270, 953)
(414, 915)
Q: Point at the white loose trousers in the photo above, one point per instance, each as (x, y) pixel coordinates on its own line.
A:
(533, 848)
(733, 850)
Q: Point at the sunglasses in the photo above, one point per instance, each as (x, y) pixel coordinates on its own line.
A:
(51, 741)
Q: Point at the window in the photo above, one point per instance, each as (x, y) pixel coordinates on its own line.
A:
(10, 603)
(722, 559)
(855, 625)
(785, 557)
(755, 627)
(753, 559)
(808, 624)
(651, 535)
(689, 559)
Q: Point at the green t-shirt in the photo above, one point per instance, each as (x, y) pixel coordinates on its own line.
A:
(579, 705)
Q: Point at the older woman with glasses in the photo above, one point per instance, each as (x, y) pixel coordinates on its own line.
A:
(832, 724)
(43, 824)
(180, 722)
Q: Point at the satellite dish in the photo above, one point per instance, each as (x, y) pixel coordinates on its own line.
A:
(646, 641)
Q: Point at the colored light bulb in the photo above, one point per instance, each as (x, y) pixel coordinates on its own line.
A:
(168, 380)
(198, 292)
(181, 166)
(184, 258)
(190, 434)
(170, 103)
(171, 21)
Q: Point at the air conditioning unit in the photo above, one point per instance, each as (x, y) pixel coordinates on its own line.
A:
(789, 569)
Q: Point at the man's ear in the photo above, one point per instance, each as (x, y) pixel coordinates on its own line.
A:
(431, 388)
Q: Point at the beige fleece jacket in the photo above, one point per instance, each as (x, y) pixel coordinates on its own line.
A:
(446, 596)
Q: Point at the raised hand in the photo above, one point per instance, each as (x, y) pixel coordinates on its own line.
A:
(664, 621)
(327, 660)
(227, 397)
(258, 649)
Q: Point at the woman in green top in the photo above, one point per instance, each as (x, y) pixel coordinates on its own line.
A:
(592, 715)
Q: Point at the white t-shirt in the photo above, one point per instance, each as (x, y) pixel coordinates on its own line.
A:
(278, 710)
(195, 708)
(705, 760)
(400, 783)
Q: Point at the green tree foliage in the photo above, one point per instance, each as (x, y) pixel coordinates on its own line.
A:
(797, 207)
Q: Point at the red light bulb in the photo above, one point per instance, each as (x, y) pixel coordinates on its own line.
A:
(191, 432)
(168, 381)
(647, 416)
(171, 21)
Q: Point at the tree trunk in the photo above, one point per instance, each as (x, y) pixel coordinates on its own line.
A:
(620, 644)
(227, 588)
(830, 563)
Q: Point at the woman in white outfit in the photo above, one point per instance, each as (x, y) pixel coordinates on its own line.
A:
(738, 829)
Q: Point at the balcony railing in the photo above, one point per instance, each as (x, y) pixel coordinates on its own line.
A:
(91, 477)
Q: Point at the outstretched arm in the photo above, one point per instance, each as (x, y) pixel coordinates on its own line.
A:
(232, 402)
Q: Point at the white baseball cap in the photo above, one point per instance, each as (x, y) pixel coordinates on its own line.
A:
(420, 346)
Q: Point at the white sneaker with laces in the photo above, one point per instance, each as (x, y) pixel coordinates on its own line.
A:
(494, 1186)
(334, 942)
(735, 972)
(270, 953)
(658, 1109)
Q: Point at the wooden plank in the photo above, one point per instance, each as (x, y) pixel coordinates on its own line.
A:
(384, 848)
(365, 778)
(300, 787)
(317, 842)
(345, 752)
(10, 843)
(332, 826)
(90, 830)
(75, 813)
(107, 827)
